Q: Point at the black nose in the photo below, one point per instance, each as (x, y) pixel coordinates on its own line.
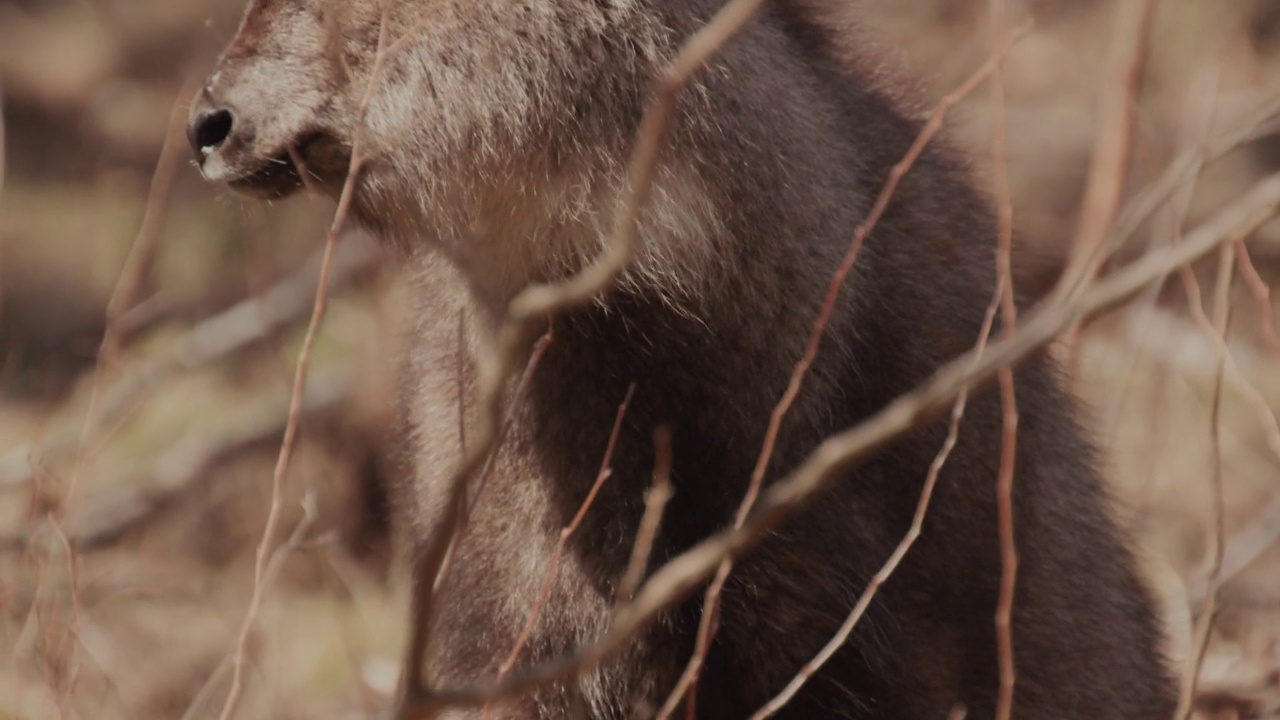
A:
(208, 130)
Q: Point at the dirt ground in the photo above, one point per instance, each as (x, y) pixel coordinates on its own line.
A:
(135, 473)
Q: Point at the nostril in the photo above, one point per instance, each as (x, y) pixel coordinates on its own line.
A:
(209, 130)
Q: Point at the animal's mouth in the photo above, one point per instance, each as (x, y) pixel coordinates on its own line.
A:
(316, 160)
(275, 178)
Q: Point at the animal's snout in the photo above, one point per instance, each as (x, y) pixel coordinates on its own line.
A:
(208, 129)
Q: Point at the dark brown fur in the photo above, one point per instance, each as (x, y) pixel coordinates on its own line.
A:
(776, 154)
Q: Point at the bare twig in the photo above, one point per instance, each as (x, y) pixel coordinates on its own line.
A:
(3, 158)
(542, 300)
(1245, 544)
(71, 632)
(655, 503)
(913, 533)
(1261, 296)
(482, 479)
(464, 516)
(1202, 117)
(3, 141)
(553, 568)
(684, 573)
(1182, 170)
(141, 255)
(429, 569)
(711, 601)
(270, 573)
(1008, 399)
(130, 278)
(459, 380)
(1109, 166)
(513, 403)
(299, 387)
(1217, 330)
(1161, 335)
(539, 301)
(136, 267)
(286, 451)
(1238, 551)
(463, 512)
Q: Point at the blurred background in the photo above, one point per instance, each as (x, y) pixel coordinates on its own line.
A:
(149, 326)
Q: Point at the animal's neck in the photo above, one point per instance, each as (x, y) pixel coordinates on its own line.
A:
(549, 231)
(710, 364)
(751, 213)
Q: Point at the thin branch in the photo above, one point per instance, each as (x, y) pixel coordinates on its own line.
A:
(706, 627)
(1008, 399)
(565, 534)
(274, 513)
(459, 380)
(263, 554)
(655, 503)
(271, 572)
(1183, 170)
(1217, 330)
(540, 301)
(130, 278)
(1201, 116)
(1239, 550)
(900, 552)
(429, 569)
(1161, 336)
(513, 403)
(141, 255)
(136, 267)
(3, 142)
(70, 633)
(1244, 545)
(1261, 295)
(3, 159)
(1109, 166)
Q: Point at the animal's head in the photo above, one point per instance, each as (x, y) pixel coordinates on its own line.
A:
(282, 91)
(452, 82)
(479, 118)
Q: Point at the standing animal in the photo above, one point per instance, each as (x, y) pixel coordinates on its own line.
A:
(499, 133)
